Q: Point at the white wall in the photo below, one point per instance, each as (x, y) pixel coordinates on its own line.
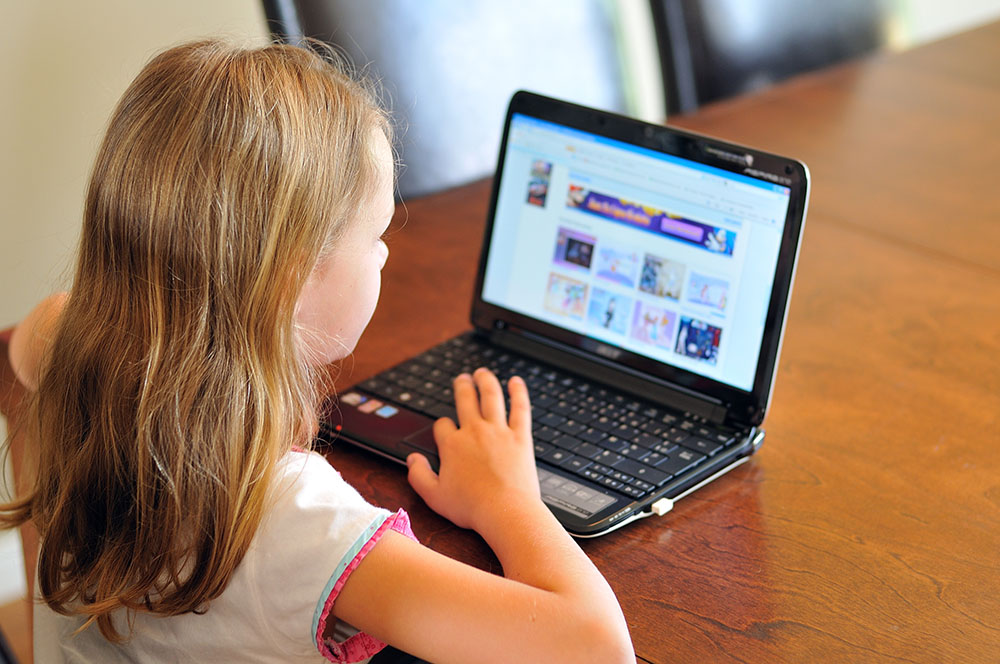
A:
(63, 65)
(927, 20)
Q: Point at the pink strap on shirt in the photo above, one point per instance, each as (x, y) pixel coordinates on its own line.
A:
(361, 645)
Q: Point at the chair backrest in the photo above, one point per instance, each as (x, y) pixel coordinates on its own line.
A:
(449, 67)
(713, 49)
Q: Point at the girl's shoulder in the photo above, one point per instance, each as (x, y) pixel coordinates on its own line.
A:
(307, 490)
(317, 530)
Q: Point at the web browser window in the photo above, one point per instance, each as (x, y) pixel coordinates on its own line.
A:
(661, 256)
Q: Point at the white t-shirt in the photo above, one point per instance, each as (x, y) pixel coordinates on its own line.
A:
(278, 602)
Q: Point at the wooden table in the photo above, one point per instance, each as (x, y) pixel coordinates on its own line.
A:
(868, 527)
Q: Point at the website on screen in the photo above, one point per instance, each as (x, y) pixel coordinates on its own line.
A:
(658, 255)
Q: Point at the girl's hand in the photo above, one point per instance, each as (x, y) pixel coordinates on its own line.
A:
(487, 462)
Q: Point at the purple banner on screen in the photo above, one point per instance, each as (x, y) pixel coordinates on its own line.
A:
(708, 237)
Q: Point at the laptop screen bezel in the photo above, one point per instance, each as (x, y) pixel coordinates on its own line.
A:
(742, 406)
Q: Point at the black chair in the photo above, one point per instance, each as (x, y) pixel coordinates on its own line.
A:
(449, 67)
(713, 49)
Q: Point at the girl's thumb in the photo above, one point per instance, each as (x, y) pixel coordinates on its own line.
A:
(422, 478)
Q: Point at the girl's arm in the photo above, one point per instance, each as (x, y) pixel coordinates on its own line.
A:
(552, 604)
(31, 339)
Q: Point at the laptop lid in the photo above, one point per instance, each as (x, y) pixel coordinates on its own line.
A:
(661, 252)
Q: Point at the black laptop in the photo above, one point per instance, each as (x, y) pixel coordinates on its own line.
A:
(638, 278)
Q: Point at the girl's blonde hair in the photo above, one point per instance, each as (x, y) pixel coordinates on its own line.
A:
(175, 384)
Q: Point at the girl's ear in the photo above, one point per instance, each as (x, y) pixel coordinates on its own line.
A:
(31, 338)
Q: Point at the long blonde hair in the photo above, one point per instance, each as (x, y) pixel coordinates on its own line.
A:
(175, 384)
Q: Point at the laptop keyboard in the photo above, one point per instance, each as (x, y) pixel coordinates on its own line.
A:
(607, 437)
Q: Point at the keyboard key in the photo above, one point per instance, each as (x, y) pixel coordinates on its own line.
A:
(680, 461)
(550, 388)
(643, 485)
(604, 423)
(613, 411)
(646, 440)
(587, 450)
(632, 491)
(556, 456)
(723, 438)
(706, 447)
(654, 428)
(641, 471)
(636, 452)
(675, 436)
(614, 443)
(571, 427)
(634, 422)
(610, 482)
(545, 433)
(543, 400)
(430, 388)
(576, 464)
(551, 419)
(592, 435)
(654, 458)
(563, 408)
(621, 477)
(566, 442)
(625, 431)
(421, 403)
(665, 447)
(410, 382)
(608, 457)
(443, 410)
(372, 385)
(390, 390)
(541, 449)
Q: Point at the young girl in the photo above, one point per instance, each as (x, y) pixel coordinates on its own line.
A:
(230, 248)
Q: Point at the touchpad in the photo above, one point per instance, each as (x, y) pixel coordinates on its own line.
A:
(423, 441)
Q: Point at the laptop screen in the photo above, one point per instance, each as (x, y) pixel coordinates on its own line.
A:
(661, 256)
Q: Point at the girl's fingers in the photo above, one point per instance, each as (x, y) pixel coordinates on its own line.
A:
(422, 478)
(520, 406)
(466, 402)
(490, 396)
(443, 427)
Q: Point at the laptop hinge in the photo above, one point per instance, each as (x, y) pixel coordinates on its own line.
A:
(608, 373)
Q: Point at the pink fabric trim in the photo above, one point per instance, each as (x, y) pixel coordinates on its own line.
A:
(361, 645)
